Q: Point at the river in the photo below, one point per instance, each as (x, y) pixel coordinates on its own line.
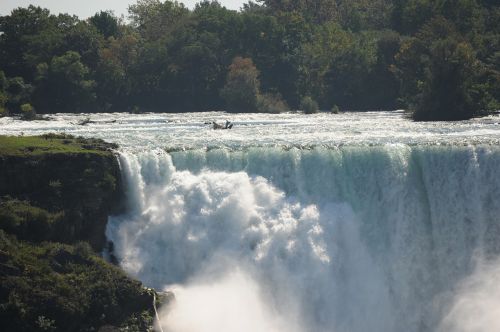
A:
(350, 222)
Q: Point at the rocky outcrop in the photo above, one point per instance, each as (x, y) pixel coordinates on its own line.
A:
(56, 193)
(78, 189)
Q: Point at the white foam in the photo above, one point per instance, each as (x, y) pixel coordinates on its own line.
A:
(476, 303)
(345, 239)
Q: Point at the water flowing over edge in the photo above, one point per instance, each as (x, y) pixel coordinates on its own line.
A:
(342, 239)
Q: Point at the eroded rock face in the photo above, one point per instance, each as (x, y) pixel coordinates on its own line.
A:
(79, 190)
(54, 208)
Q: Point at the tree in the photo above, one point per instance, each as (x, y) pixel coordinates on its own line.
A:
(309, 105)
(155, 19)
(171, 58)
(317, 11)
(27, 112)
(19, 31)
(106, 23)
(439, 73)
(413, 58)
(114, 72)
(63, 85)
(271, 103)
(242, 86)
(349, 73)
(447, 88)
(84, 39)
(411, 15)
(18, 92)
(318, 56)
(3, 93)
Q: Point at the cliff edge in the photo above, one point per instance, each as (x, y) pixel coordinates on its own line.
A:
(56, 193)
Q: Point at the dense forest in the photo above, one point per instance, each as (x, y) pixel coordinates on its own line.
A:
(438, 58)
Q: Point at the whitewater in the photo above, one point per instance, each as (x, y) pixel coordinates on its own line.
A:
(351, 222)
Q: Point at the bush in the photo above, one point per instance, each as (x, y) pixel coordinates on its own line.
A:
(27, 222)
(335, 109)
(3, 101)
(271, 103)
(55, 287)
(242, 86)
(447, 89)
(309, 105)
(28, 112)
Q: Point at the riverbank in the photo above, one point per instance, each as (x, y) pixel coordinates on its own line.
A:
(56, 193)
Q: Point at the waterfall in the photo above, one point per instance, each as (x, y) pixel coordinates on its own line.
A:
(351, 238)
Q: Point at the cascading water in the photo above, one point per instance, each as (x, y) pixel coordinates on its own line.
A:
(358, 222)
(329, 239)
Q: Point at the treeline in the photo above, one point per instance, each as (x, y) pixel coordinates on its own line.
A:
(439, 58)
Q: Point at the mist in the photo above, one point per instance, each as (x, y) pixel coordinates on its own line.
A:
(476, 304)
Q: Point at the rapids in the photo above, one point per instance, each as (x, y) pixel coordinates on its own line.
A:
(350, 222)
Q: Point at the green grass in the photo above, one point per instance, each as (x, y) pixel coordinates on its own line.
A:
(51, 144)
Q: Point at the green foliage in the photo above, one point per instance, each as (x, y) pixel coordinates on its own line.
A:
(116, 61)
(62, 188)
(3, 110)
(153, 18)
(45, 324)
(17, 93)
(74, 180)
(447, 93)
(18, 38)
(441, 75)
(242, 86)
(28, 112)
(309, 105)
(63, 85)
(106, 23)
(359, 54)
(55, 287)
(3, 94)
(4, 83)
(271, 103)
(51, 144)
(27, 222)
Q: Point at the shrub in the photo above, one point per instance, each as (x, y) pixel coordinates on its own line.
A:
(335, 109)
(271, 103)
(28, 112)
(57, 136)
(26, 221)
(309, 105)
(447, 89)
(242, 86)
(3, 101)
(3, 112)
(56, 287)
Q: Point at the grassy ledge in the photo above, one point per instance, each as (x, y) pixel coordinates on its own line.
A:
(51, 144)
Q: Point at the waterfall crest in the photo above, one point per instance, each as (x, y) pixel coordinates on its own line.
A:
(349, 238)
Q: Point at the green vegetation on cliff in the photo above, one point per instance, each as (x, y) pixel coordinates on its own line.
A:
(56, 287)
(438, 58)
(56, 193)
(50, 144)
(75, 180)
